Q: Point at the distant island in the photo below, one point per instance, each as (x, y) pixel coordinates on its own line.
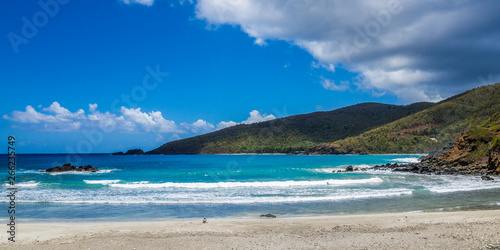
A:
(130, 152)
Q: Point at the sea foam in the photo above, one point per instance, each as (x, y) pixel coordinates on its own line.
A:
(407, 160)
(102, 182)
(98, 197)
(102, 171)
(26, 184)
(207, 185)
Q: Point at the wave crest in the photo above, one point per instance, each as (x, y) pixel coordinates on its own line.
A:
(207, 185)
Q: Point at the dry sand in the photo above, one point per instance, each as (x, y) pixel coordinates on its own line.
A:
(444, 230)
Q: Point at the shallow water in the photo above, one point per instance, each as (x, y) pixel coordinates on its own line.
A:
(185, 186)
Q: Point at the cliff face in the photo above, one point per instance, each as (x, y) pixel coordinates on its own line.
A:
(465, 152)
(479, 148)
(476, 152)
(494, 159)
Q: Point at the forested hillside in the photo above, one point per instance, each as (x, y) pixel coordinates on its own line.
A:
(425, 131)
(293, 133)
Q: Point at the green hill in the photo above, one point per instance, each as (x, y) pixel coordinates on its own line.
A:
(293, 133)
(425, 131)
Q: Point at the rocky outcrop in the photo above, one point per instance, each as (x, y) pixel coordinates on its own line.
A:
(118, 153)
(476, 152)
(436, 166)
(467, 151)
(494, 158)
(68, 167)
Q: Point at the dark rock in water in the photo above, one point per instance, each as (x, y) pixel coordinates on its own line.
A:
(349, 168)
(268, 215)
(118, 153)
(63, 168)
(68, 167)
(486, 178)
(135, 152)
(87, 168)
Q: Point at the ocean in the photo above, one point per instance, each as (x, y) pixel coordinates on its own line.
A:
(151, 187)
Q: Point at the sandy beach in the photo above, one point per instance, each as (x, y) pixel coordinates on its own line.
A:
(443, 230)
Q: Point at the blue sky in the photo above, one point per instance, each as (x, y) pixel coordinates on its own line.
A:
(228, 62)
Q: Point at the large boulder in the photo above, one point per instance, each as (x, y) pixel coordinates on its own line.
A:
(87, 168)
(349, 168)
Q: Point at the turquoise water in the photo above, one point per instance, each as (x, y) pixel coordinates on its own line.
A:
(187, 186)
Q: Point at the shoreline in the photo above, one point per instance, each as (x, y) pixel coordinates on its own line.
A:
(463, 229)
(423, 154)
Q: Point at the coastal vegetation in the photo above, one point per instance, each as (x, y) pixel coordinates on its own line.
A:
(367, 128)
(425, 131)
(293, 133)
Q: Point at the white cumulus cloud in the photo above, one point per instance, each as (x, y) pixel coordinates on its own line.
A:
(224, 124)
(200, 126)
(255, 117)
(330, 84)
(143, 2)
(130, 120)
(57, 118)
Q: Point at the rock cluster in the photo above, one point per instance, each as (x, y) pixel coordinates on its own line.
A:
(350, 168)
(474, 153)
(436, 166)
(69, 167)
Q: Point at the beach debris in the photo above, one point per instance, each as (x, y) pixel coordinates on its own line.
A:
(268, 215)
(204, 219)
(68, 167)
(487, 178)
